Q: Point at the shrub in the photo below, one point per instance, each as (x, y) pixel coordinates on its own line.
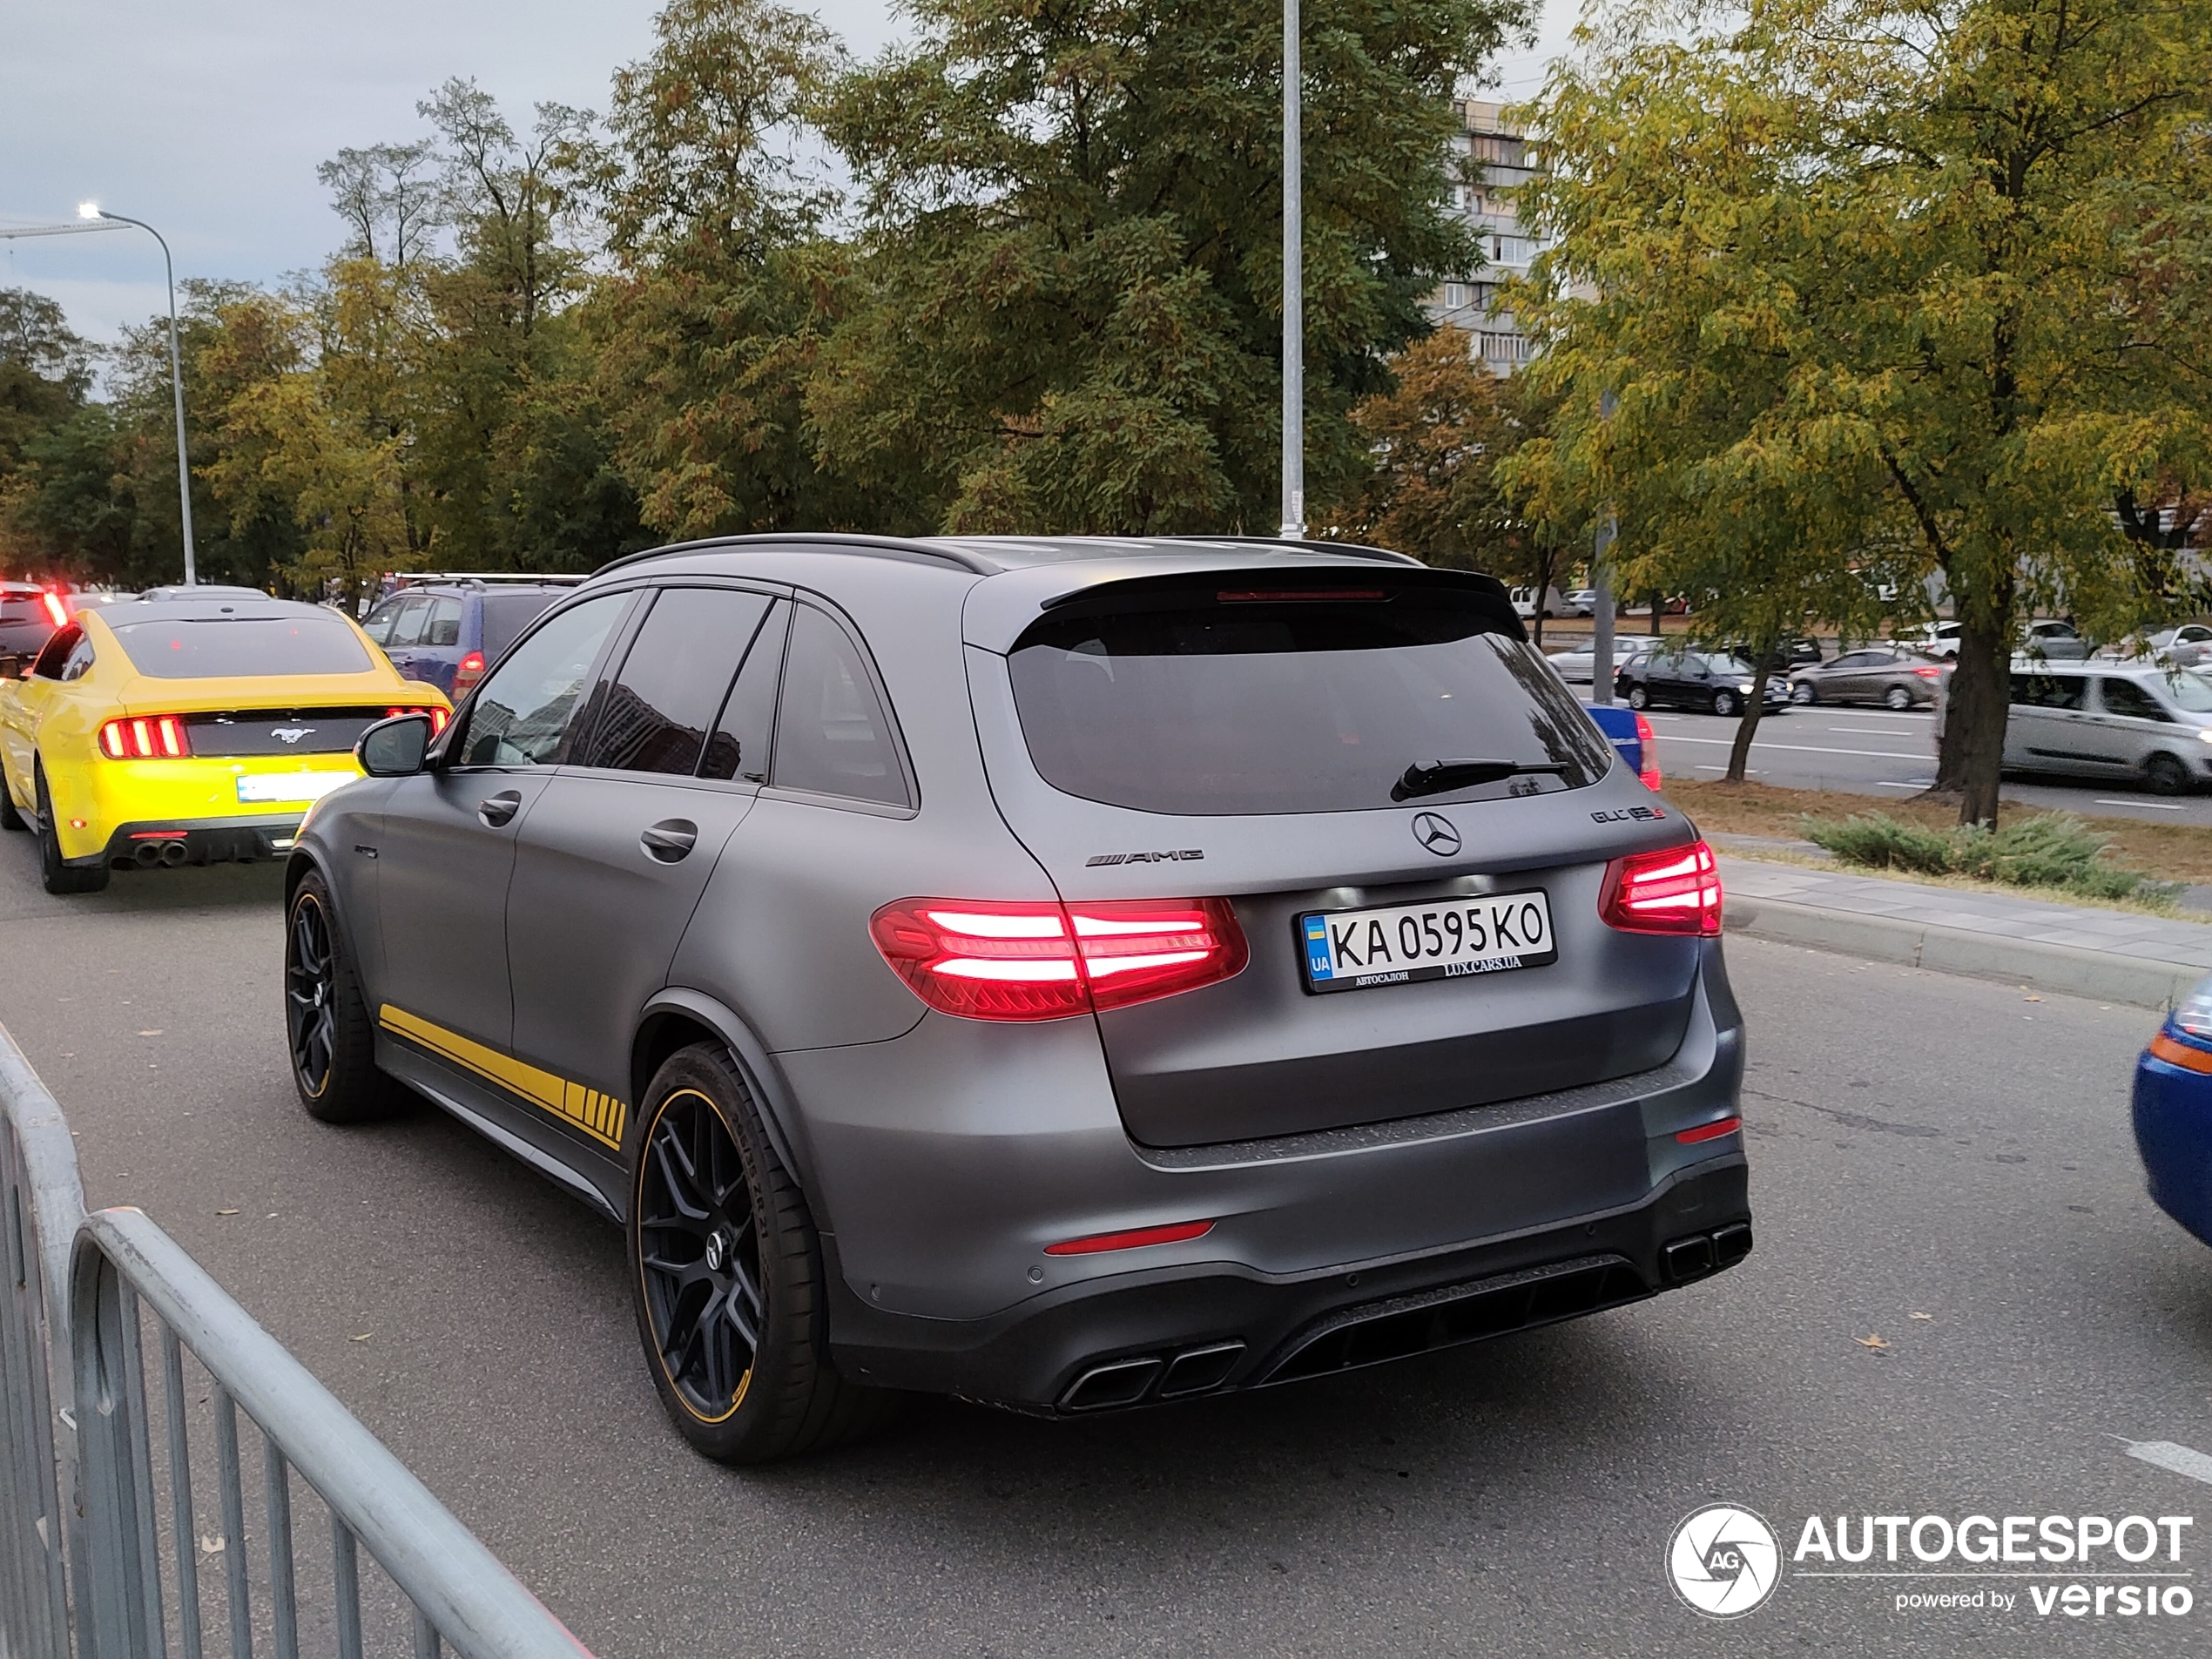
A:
(2052, 850)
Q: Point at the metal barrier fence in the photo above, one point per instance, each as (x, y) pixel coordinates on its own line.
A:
(88, 1299)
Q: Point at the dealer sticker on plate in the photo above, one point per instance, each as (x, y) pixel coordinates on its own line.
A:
(1352, 950)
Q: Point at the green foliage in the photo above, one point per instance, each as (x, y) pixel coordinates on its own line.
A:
(2053, 850)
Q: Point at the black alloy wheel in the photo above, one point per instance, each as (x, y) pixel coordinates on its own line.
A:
(1724, 704)
(1638, 698)
(729, 1284)
(328, 1030)
(2166, 775)
(699, 1257)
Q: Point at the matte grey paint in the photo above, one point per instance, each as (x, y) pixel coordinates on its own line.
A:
(941, 1155)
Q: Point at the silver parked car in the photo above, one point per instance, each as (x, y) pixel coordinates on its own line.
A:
(1073, 974)
(1578, 665)
(2149, 725)
(1897, 677)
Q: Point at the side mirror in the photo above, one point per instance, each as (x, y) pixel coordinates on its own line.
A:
(394, 748)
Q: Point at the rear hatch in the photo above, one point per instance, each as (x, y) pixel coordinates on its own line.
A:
(1269, 737)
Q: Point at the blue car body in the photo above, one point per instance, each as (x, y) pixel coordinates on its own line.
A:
(430, 629)
(1618, 722)
(2173, 1111)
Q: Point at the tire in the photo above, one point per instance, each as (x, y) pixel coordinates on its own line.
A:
(12, 816)
(329, 1035)
(1724, 704)
(59, 876)
(1638, 698)
(2166, 776)
(1896, 699)
(727, 1275)
(1804, 694)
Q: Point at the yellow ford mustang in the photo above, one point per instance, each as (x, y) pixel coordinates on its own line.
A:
(188, 730)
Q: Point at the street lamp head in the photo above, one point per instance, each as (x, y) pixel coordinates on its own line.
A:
(88, 210)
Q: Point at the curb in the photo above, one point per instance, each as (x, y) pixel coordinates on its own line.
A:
(2138, 980)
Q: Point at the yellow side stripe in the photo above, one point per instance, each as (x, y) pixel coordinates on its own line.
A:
(601, 1116)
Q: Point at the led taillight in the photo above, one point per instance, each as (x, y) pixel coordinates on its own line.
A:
(147, 736)
(1042, 960)
(438, 717)
(466, 673)
(1648, 745)
(56, 610)
(1676, 890)
(1929, 672)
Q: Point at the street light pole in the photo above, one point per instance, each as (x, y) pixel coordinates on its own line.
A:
(93, 210)
(1293, 524)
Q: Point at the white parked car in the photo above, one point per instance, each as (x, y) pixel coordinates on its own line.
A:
(1524, 603)
(1582, 603)
(1578, 665)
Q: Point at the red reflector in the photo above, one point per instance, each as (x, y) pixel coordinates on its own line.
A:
(1676, 890)
(1268, 597)
(1136, 1240)
(2180, 1053)
(56, 612)
(1709, 1132)
(1041, 961)
(154, 737)
(1648, 747)
(158, 835)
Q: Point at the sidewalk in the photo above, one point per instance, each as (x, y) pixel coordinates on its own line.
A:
(2112, 954)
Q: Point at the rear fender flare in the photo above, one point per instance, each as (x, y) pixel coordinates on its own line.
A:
(755, 1063)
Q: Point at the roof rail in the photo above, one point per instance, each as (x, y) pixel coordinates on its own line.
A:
(565, 579)
(802, 541)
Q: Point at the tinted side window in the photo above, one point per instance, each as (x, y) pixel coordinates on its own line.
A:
(55, 652)
(443, 627)
(505, 616)
(2049, 691)
(2126, 698)
(655, 716)
(522, 712)
(78, 663)
(833, 736)
(738, 748)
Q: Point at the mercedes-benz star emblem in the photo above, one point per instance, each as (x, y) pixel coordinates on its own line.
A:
(1436, 834)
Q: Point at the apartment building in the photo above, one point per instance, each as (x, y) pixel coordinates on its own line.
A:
(1495, 156)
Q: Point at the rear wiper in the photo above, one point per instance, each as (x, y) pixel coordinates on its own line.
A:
(1436, 777)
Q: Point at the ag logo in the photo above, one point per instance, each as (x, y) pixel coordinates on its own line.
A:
(1436, 834)
(1723, 1561)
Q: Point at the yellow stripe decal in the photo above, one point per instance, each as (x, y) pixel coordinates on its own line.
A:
(601, 1116)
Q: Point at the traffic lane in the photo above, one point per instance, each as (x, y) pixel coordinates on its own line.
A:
(1919, 1145)
(1872, 752)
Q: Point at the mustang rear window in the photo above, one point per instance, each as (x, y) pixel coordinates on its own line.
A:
(1242, 699)
(219, 648)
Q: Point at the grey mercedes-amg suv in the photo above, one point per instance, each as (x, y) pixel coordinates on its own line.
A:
(1069, 973)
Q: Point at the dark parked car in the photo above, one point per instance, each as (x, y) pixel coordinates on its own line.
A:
(1897, 677)
(447, 630)
(29, 614)
(1712, 682)
(1072, 974)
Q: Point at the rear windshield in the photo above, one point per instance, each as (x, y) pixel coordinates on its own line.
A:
(1227, 702)
(507, 614)
(219, 647)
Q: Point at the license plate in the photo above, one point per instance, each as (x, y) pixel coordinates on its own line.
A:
(272, 786)
(1354, 950)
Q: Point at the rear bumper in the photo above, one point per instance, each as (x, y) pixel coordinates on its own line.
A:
(2172, 1114)
(198, 794)
(217, 840)
(1146, 1338)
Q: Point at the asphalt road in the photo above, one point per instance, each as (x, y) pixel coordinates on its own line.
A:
(1921, 1145)
(1872, 752)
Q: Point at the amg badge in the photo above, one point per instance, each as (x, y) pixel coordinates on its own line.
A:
(1097, 859)
(1627, 815)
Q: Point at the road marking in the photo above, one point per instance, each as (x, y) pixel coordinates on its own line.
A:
(1801, 748)
(1749, 772)
(2153, 806)
(1900, 785)
(2180, 1460)
(1863, 731)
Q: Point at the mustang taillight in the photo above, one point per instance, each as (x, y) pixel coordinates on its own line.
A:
(1042, 960)
(146, 736)
(438, 718)
(469, 670)
(1648, 743)
(1677, 890)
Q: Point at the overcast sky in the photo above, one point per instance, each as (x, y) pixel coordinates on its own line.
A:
(207, 120)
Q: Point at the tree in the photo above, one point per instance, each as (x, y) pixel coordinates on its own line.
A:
(1068, 299)
(1432, 488)
(1883, 256)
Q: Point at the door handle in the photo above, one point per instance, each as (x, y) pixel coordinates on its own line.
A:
(497, 810)
(670, 840)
